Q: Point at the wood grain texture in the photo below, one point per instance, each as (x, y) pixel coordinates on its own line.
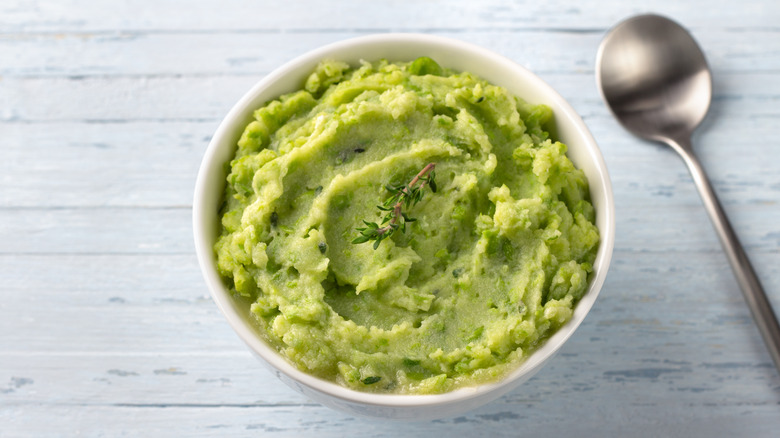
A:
(107, 329)
(241, 15)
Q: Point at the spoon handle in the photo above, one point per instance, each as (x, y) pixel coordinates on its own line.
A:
(756, 299)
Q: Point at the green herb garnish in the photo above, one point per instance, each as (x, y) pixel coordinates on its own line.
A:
(402, 196)
(411, 362)
(371, 380)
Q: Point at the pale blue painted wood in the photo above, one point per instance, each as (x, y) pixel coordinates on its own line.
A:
(107, 329)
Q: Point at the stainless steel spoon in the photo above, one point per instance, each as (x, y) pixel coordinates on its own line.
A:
(656, 82)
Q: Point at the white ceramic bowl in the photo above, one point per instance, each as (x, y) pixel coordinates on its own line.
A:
(454, 54)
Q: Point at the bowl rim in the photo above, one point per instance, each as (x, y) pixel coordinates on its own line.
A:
(222, 297)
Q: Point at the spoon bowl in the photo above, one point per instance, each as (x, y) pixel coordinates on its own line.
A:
(655, 80)
(654, 77)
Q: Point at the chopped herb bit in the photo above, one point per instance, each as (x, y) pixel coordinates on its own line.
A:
(359, 150)
(442, 254)
(476, 335)
(481, 98)
(456, 272)
(323, 247)
(371, 380)
(402, 196)
(411, 362)
(317, 191)
(274, 219)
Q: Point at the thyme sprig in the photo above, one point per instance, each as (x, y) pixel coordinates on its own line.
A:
(402, 196)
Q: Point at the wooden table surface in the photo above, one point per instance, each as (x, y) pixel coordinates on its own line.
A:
(107, 328)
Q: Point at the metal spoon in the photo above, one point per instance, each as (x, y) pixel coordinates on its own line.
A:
(655, 80)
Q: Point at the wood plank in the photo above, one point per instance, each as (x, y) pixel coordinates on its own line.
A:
(323, 17)
(95, 230)
(237, 379)
(104, 99)
(115, 281)
(258, 52)
(75, 164)
(65, 165)
(253, 53)
(128, 305)
(555, 417)
(114, 230)
(107, 99)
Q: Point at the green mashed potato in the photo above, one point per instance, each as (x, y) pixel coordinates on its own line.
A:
(494, 263)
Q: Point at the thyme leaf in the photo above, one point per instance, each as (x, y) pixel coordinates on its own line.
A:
(371, 380)
(402, 196)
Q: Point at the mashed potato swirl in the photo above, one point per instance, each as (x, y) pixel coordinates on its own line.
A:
(495, 262)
